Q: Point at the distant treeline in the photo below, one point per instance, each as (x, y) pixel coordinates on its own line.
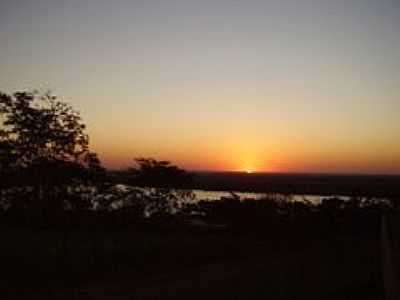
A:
(384, 186)
(311, 184)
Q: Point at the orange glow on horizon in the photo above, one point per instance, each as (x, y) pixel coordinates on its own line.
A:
(258, 162)
(276, 154)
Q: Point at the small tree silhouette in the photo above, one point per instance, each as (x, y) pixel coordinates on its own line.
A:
(165, 185)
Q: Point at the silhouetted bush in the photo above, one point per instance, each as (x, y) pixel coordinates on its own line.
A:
(164, 186)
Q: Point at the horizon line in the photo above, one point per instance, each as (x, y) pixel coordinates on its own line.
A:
(277, 172)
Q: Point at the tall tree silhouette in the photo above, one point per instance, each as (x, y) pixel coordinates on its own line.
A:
(44, 152)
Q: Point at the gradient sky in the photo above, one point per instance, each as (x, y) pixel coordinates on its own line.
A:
(218, 85)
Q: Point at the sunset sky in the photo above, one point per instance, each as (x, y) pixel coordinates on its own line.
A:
(276, 86)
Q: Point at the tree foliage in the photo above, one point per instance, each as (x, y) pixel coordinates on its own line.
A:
(161, 174)
(41, 127)
(165, 185)
(44, 151)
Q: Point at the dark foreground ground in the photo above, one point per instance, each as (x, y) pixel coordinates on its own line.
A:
(187, 265)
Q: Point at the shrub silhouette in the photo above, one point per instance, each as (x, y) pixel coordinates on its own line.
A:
(164, 185)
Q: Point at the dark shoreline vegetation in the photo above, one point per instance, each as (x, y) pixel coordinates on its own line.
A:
(69, 232)
(384, 186)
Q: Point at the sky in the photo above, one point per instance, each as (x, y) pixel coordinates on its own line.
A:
(274, 86)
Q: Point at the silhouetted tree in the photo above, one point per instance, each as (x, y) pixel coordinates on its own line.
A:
(44, 153)
(164, 185)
